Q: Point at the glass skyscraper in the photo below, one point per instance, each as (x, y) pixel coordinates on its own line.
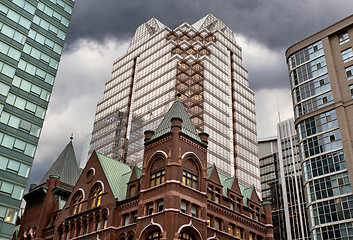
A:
(32, 35)
(320, 71)
(282, 183)
(203, 63)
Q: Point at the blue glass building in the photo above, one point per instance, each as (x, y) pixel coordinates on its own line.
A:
(32, 35)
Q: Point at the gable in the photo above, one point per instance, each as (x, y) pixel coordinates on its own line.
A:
(117, 174)
(214, 177)
(254, 197)
(92, 174)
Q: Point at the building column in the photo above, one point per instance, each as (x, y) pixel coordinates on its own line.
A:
(188, 208)
(246, 234)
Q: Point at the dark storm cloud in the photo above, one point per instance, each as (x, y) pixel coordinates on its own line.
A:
(275, 23)
(100, 31)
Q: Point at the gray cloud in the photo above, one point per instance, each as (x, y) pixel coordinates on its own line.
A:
(100, 30)
(275, 23)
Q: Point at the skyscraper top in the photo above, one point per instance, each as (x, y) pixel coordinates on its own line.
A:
(152, 26)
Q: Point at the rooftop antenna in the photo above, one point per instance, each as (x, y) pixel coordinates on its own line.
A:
(279, 114)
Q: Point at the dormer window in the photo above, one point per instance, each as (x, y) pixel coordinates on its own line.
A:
(190, 178)
(157, 177)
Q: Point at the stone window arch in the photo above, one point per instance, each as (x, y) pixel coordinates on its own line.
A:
(157, 172)
(96, 195)
(191, 172)
(98, 223)
(105, 220)
(77, 202)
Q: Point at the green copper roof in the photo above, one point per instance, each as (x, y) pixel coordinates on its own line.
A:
(246, 192)
(65, 166)
(210, 170)
(177, 110)
(117, 173)
(227, 182)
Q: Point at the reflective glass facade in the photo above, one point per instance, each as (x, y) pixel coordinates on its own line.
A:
(320, 74)
(203, 63)
(282, 183)
(32, 34)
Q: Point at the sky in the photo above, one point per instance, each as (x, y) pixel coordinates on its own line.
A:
(100, 32)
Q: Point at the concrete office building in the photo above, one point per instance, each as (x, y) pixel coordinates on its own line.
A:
(320, 72)
(32, 35)
(282, 182)
(203, 63)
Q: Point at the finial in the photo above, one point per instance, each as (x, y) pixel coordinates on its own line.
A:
(178, 94)
(71, 137)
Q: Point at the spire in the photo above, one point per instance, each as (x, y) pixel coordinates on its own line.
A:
(177, 110)
(65, 166)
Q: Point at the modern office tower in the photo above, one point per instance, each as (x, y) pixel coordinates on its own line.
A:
(32, 35)
(203, 63)
(282, 182)
(291, 182)
(271, 185)
(320, 72)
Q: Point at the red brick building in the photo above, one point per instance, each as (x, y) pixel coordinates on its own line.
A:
(174, 196)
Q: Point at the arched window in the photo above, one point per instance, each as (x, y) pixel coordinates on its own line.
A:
(190, 172)
(77, 203)
(131, 237)
(155, 236)
(78, 229)
(67, 233)
(157, 175)
(84, 227)
(185, 236)
(60, 233)
(190, 178)
(98, 223)
(96, 198)
(105, 220)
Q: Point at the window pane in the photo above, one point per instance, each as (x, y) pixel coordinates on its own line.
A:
(13, 166)
(20, 103)
(8, 141)
(2, 212)
(35, 131)
(3, 162)
(17, 192)
(4, 89)
(11, 216)
(14, 122)
(30, 149)
(6, 187)
(20, 145)
(24, 170)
